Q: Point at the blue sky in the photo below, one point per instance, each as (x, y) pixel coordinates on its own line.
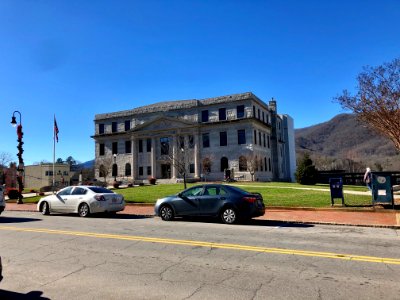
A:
(78, 58)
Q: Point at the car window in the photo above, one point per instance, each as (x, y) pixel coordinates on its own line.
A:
(65, 192)
(194, 191)
(79, 191)
(100, 190)
(214, 191)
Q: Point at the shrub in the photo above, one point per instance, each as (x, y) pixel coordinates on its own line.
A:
(32, 191)
(41, 194)
(130, 184)
(152, 180)
(47, 188)
(14, 194)
(116, 185)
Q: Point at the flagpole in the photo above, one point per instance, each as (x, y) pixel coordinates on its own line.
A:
(54, 152)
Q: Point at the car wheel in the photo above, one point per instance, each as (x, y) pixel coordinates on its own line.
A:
(228, 215)
(166, 213)
(83, 210)
(44, 208)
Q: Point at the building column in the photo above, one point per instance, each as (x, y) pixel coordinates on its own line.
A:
(174, 147)
(196, 156)
(153, 158)
(134, 159)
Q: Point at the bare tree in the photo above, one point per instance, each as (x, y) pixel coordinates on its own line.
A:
(253, 163)
(180, 159)
(377, 101)
(104, 166)
(206, 166)
(5, 159)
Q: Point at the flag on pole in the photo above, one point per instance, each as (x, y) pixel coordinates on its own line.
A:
(55, 129)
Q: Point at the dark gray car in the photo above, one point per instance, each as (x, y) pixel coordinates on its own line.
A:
(230, 203)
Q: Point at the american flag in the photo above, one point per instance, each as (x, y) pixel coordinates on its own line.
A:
(55, 129)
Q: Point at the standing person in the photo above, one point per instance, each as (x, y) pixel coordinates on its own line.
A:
(368, 178)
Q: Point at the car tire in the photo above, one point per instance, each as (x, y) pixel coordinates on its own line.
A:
(83, 210)
(166, 213)
(228, 215)
(44, 208)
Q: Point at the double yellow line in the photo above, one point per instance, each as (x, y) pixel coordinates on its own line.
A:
(330, 255)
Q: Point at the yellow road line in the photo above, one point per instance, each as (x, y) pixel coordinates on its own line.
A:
(330, 255)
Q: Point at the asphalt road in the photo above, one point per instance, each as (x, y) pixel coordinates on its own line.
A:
(126, 257)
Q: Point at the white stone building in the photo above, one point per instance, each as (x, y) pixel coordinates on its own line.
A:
(239, 133)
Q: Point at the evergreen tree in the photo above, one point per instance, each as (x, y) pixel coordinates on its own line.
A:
(306, 172)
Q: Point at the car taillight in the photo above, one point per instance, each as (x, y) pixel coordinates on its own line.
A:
(99, 198)
(250, 199)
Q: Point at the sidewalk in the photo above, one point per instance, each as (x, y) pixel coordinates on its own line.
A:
(372, 217)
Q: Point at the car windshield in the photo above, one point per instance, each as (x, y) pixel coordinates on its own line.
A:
(100, 190)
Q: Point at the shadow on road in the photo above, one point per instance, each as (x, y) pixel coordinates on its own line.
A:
(17, 220)
(33, 295)
(252, 222)
(107, 216)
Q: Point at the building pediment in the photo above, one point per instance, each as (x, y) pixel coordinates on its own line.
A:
(164, 123)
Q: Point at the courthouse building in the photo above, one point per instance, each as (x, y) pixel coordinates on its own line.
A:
(238, 135)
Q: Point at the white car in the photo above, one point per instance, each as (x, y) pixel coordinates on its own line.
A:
(83, 200)
(2, 199)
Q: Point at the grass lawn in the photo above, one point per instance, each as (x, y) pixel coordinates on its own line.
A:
(274, 194)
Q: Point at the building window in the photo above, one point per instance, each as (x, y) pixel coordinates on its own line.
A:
(191, 141)
(101, 149)
(140, 145)
(242, 164)
(128, 147)
(222, 114)
(259, 114)
(224, 164)
(268, 141)
(114, 126)
(263, 117)
(255, 137)
(204, 116)
(140, 171)
(149, 170)
(181, 142)
(240, 111)
(264, 140)
(241, 136)
(102, 171)
(127, 125)
(148, 145)
(259, 137)
(115, 148)
(128, 170)
(206, 140)
(114, 170)
(191, 168)
(164, 142)
(223, 138)
(101, 128)
(269, 164)
(265, 164)
(254, 111)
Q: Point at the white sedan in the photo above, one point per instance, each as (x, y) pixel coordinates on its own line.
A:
(83, 200)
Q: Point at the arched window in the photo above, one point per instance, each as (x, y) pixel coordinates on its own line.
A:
(224, 164)
(242, 163)
(102, 171)
(114, 170)
(128, 170)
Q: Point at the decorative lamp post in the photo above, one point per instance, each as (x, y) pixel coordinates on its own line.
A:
(20, 167)
(114, 167)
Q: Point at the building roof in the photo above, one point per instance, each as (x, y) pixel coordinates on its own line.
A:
(179, 104)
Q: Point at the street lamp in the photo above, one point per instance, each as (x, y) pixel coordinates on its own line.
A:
(115, 167)
(20, 167)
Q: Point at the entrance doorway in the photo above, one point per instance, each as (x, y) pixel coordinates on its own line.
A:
(165, 171)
